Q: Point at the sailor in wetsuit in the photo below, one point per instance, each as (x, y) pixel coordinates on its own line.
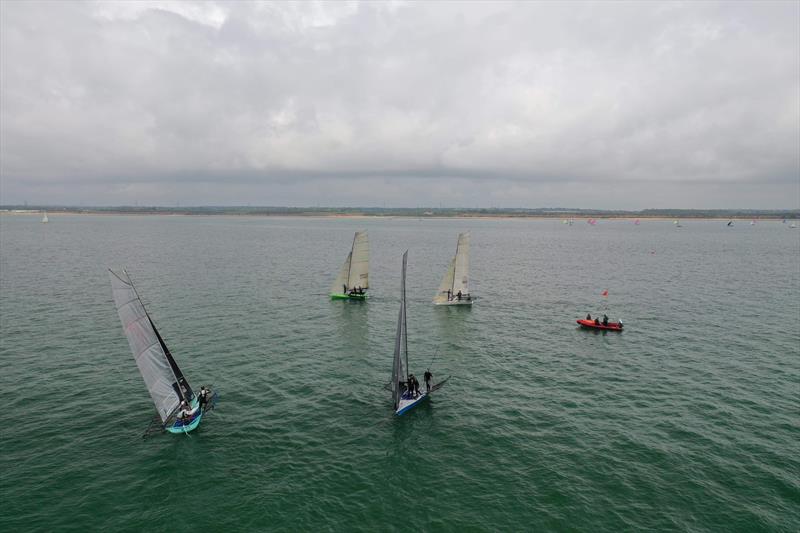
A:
(202, 397)
(428, 377)
(605, 320)
(186, 413)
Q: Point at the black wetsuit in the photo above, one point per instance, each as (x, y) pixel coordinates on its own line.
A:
(202, 398)
(428, 377)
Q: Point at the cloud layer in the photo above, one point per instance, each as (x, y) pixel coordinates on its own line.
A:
(627, 105)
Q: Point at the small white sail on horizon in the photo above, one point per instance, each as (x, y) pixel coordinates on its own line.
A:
(454, 289)
(355, 270)
(45, 220)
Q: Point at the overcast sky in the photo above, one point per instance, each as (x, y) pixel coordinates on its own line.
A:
(604, 105)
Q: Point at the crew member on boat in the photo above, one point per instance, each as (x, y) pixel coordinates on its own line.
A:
(413, 385)
(428, 376)
(202, 397)
(605, 320)
(186, 413)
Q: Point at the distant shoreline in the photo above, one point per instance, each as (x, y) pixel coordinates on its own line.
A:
(460, 215)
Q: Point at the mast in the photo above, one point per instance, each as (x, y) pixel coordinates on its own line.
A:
(161, 375)
(350, 260)
(172, 364)
(455, 260)
(180, 380)
(400, 342)
(461, 265)
(405, 324)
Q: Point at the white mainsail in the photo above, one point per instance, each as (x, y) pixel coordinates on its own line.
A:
(162, 376)
(45, 220)
(457, 276)
(446, 287)
(461, 275)
(400, 342)
(359, 262)
(340, 283)
(355, 270)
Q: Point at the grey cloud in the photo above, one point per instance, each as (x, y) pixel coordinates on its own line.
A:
(508, 103)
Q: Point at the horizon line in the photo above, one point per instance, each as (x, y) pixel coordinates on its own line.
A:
(431, 209)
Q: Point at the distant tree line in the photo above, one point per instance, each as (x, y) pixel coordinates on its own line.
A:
(419, 212)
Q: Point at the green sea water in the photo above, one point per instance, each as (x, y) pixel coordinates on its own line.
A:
(689, 420)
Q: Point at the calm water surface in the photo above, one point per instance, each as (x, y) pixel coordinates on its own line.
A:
(688, 420)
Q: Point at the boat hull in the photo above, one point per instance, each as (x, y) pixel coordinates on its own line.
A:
(180, 427)
(589, 324)
(455, 302)
(340, 296)
(407, 402)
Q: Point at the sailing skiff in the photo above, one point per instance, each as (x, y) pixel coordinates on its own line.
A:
(353, 279)
(164, 379)
(403, 396)
(454, 289)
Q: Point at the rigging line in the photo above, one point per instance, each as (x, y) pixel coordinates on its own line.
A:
(435, 353)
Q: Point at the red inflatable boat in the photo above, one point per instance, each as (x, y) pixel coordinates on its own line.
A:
(612, 326)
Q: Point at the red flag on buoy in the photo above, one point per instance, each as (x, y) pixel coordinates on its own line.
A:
(604, 293)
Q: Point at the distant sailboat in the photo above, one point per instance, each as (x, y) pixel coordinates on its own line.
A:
(730, 223)
(353, 279)
(164, 380)
(677, 223)
(753, 222)
(402, 394)
(45, 220)
(454, 289)
(636, 222)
